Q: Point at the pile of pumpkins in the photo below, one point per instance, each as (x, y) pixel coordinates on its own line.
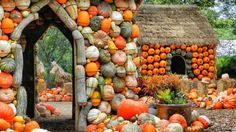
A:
(46, 110)
(139, 120)
(54, 95)
(200, 60)
(11, 123)
(214, 100)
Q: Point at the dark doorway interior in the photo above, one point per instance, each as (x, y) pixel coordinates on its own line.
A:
(32, 34)
(178, 65)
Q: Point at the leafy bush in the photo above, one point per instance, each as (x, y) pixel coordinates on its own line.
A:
(226, 64)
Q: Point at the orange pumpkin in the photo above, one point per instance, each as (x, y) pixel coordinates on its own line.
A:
(157, 58)
(91, 128)
(144, 61)
(195, 79)
(194, 48)
(199, 50)
(136, 61)
(147, 127)
(211, 51)
(4, 37)
(156, 64)
(168, 49)
(155, 71)
(6, 80)
(91, 69)
(200, 55)
(150, 59)
(19, 127)
(83, 18)
(8, 5)
(149, 73)
(194, 60)
(31, 125)
(211, 46)
(150, 66)
(211, 62)
(151, 51)
(211, 69)
(212, 57)
(128, 15)
(205, 54)
(206, 66)
(177, 118)
(163, 56)
(93, 10)
(4, 125)
(204, 72)
(196, 72)
(183, 46)
(144, 72)
(135, 31)
(106, 24)
(144, 66)
(194, 66)
(200, 67)
(172, 46)
(199, 77)
(145, 47)
(163, 50)
(7, 25)
(195, 54)
(199, 61)
(157, 46)
(157, 51)
(162, 71)
(144, 54)
(62, 1)
(163, 63)
(218, 105)
(204, 48)
(188, 49)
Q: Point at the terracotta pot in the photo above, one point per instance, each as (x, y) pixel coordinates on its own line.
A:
(164, 111)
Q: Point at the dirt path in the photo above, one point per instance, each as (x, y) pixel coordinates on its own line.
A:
(223, 120)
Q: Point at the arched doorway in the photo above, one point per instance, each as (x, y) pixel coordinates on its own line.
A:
(32, 33)
(178, 65)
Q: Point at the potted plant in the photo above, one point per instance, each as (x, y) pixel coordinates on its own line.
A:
(170, 100)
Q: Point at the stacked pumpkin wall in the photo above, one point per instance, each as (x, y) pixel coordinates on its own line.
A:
(199, 60)
(106, 53)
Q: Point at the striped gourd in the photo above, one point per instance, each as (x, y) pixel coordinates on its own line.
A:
(7, 65)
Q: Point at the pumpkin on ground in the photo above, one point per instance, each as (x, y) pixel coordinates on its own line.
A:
(31, 126)
(177, 118)
(6, 112)
(129, 105)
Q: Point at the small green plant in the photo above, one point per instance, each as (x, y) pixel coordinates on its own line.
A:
(165, 89)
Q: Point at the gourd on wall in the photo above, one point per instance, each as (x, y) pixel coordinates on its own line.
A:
(104, 33)
(199, 60)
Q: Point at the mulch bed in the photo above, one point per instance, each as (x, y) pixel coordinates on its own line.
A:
(223, 121)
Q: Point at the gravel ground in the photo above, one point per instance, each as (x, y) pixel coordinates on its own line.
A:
(222, 120)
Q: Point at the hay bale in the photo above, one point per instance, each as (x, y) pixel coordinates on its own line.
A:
(41, 87)
(68, 88)
(201, 88)
(225, 84)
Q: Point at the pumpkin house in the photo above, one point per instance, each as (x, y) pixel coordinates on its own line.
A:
(176, 39)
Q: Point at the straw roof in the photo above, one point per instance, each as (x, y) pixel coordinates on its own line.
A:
(174, 24)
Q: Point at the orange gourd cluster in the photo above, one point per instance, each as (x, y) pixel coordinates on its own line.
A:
(201, 59)
(54, 94)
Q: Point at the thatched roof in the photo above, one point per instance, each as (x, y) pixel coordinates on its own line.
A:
(174, 24)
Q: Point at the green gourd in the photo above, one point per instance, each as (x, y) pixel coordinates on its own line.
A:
(126, 29)
(183, 53)
(189, 55)
(7, 65)
(178, 51)
(104, 56)
(95, 23)
(169, 56)
(118, 84)
(108, 70)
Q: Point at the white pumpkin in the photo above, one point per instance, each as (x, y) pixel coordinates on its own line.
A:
(101, 117)
(22, 4)
(13, 107)
(92, 53)
(39, 130)
(117, 99)
(6, 95)
(119, 57)
(122, 4)
(91, 85)
(5, 48)
(105, 107)
(130, 67)
(1, 13)
(225, 77)
(83, 4)
(131, 82)
(174, 127)
(93, 114)
(131, 48)
(117, 17)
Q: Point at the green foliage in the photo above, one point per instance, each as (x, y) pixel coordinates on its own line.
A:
(234, 29)
(225, 33)
(54, 46)
(226, 65)
(170, 96)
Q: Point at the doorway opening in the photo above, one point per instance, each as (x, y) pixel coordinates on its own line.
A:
(178, 65)
(53, 73)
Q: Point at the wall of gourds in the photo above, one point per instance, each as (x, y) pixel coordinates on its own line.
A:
(199, 60)
(104, 31)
